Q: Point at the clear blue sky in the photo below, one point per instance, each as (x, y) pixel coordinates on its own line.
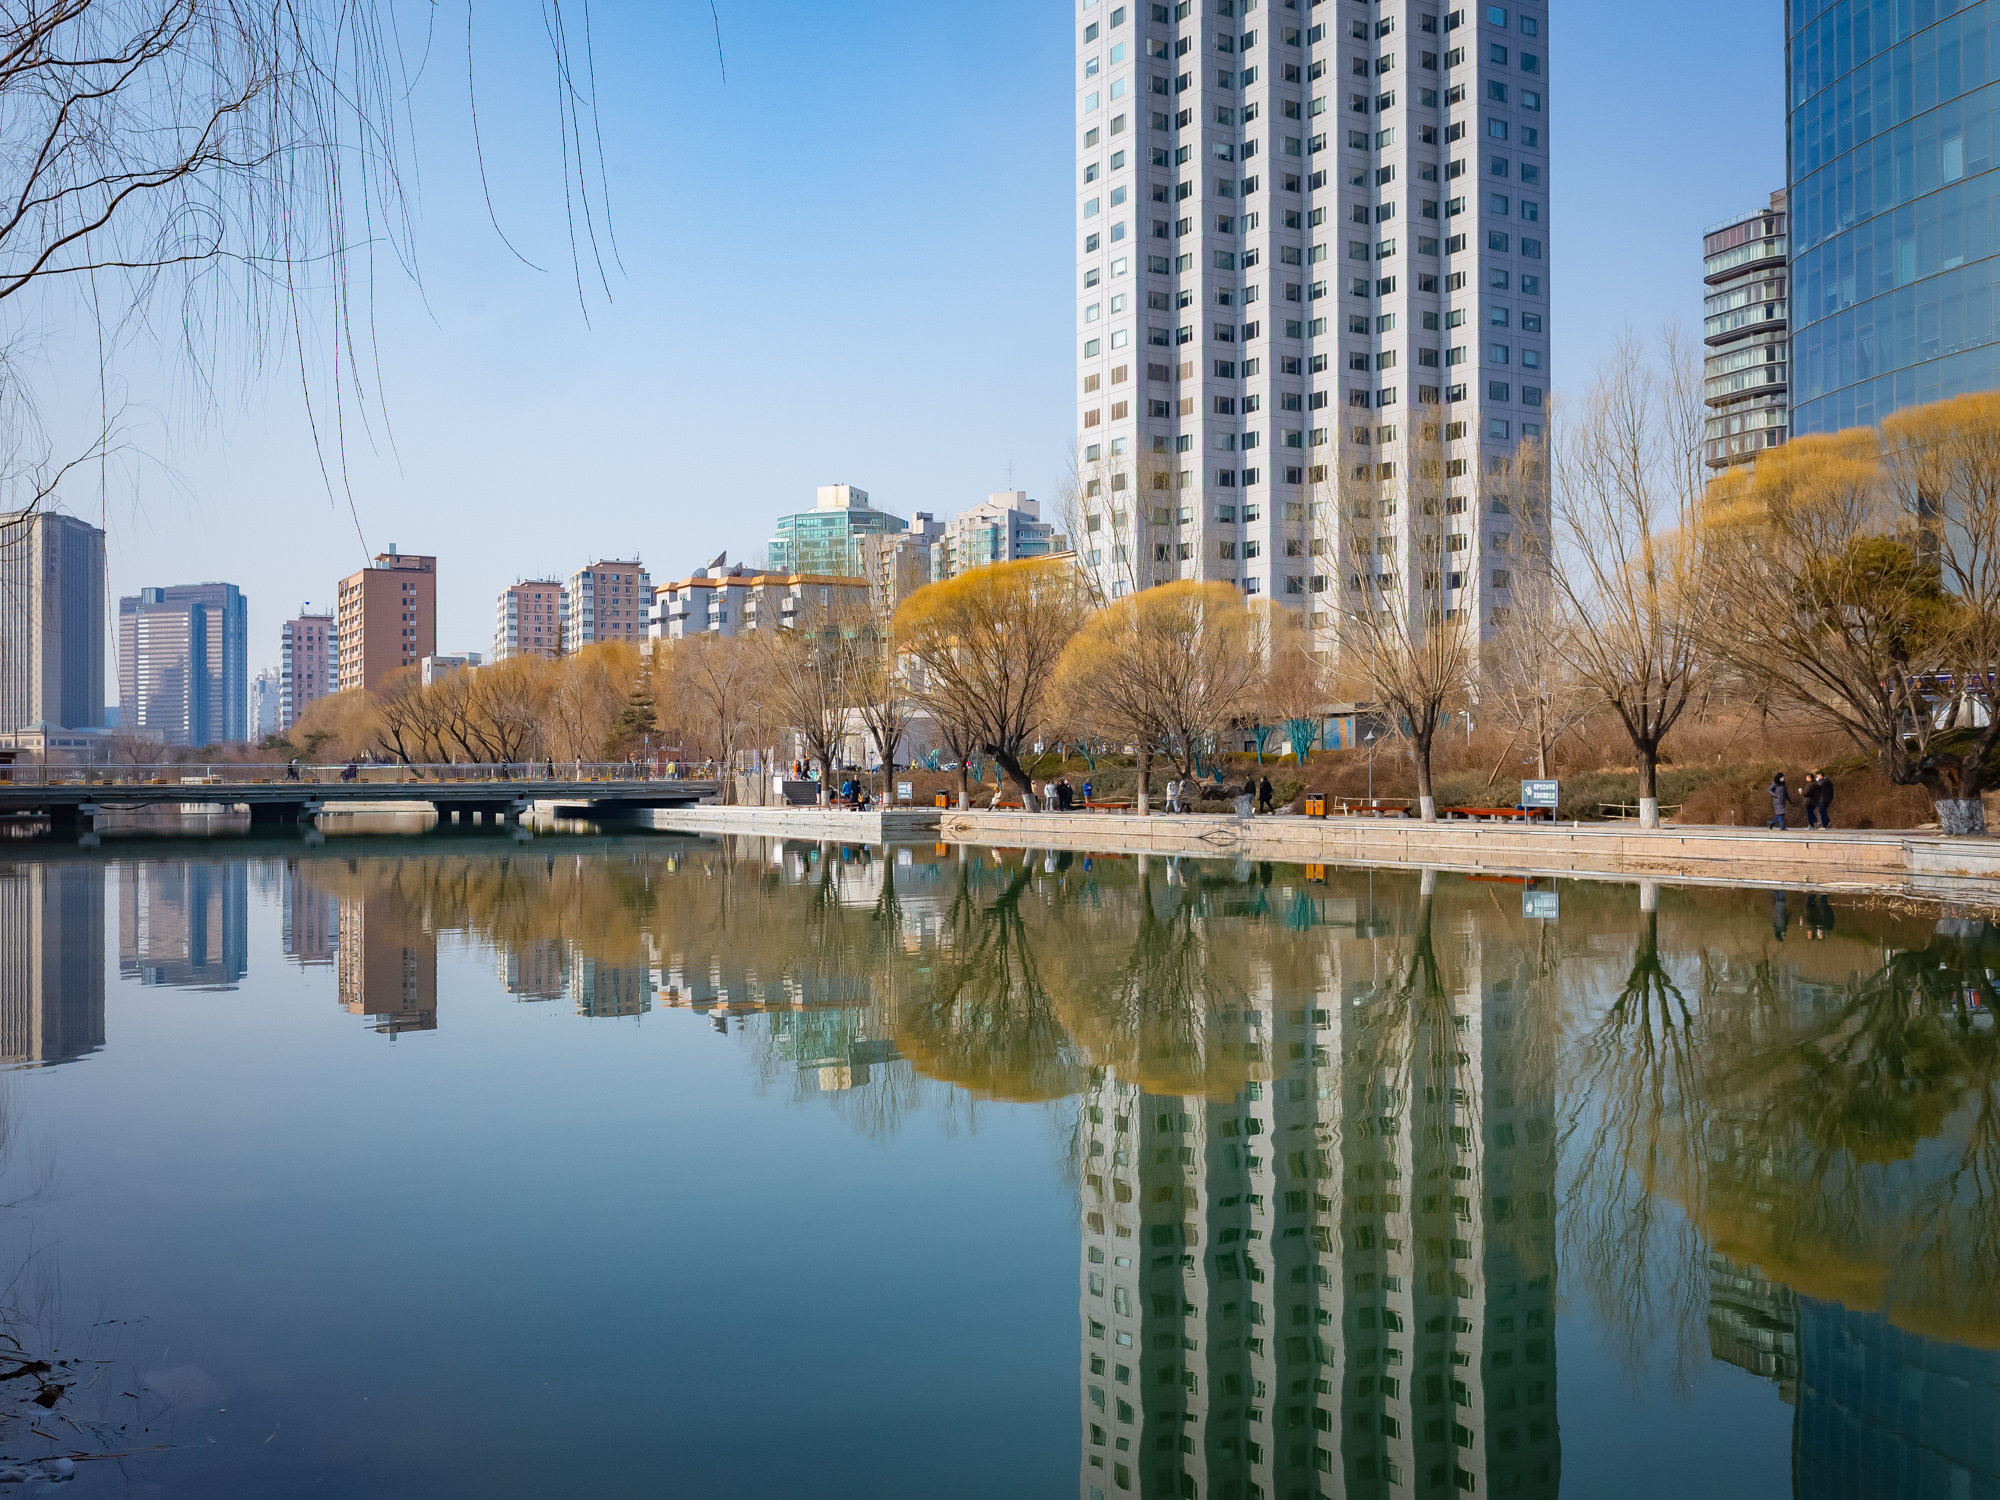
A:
(851, 261)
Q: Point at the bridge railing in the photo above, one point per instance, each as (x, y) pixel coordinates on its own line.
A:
(238, 773)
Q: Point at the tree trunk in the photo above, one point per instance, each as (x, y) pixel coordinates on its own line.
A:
(1145, 780)
(964, 787)
(1420, 753)
(1019, 777)
(1649, 783)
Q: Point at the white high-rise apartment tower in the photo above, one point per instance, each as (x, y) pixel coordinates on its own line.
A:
(1303, 225)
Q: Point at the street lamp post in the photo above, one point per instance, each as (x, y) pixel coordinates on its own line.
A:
(1369, 740)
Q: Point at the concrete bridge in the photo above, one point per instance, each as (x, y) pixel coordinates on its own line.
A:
(77, 802)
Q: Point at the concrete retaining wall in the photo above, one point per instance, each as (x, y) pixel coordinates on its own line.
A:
(816, 823)
(1889, 861)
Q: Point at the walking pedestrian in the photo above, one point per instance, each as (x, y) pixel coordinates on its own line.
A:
(1264, 795)
(1086, 791)
(1824, 789)
(1173, 795)
(292, 769)
(1780, 796)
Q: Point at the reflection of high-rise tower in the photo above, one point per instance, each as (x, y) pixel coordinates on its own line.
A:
(51, 963)
(184, 924)
(535, 970)
(1882, 1411)
(1753, 1323)
(311, 919)
(602, 989)
(388, 967)
(1341, 1277)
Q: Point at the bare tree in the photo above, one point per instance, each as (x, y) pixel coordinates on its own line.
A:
(715, 676)
(802, 686)
(1407, 638)
(1631, 555)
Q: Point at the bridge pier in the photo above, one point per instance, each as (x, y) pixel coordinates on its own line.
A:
(77, 815)
(272, 814)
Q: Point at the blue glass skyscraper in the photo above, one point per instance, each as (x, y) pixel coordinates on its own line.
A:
(1895, 205)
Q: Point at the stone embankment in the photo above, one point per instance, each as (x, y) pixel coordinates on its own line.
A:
(1886, 861)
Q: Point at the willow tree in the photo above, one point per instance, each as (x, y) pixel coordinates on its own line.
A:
(1165, 670)
(983, 647)
(1857, 577)
(1631, 558)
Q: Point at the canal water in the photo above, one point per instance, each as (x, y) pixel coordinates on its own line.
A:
(495, 1165)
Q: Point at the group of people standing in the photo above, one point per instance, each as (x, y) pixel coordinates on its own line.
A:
(1816, 795)
(1180, 795)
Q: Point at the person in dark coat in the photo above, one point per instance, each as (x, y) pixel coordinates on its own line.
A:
(1823, 797)
(1264, 794)
(1781, 796)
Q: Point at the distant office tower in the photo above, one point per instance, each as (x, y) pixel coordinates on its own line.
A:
(388, 966)
(529, 622)
(1001, 528)
(606, 601)
(266, 693)
(827, 538)
(51, 621)
(1890, 161)
(1743, 326)
(309, 665)
(1313, 250)
(184, 664)
(311, 919)
(184, 924)
(51, 962)
(387, 618)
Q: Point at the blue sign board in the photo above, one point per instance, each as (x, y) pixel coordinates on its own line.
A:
(1540, 794)
(1541, 906)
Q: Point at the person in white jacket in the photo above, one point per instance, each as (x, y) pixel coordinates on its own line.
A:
(1173, 796)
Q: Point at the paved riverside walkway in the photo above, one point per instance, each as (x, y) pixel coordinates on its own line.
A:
(1888, 860)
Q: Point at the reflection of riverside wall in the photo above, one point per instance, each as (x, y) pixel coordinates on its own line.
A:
(184, 923)
(1889, 861)
(1318, 1287)
(388, 970)
(51, 963)
(1885, 1412)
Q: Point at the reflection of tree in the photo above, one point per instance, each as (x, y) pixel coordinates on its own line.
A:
(1889, 1100)
(983, 1018)
(1637, 1110)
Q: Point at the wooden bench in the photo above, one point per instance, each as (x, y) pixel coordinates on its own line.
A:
(1517, 814)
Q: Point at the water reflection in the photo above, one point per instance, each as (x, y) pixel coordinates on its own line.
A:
(1343, 1144)
(184, 924)
(51, 963)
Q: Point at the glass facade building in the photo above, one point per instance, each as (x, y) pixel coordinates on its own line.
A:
(827, 539)
(1892, 189)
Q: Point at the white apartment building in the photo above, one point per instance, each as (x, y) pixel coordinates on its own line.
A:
(528, 621)
(1302, 225)
(712, 600)
(606, 601)
(1001, 528)
(437, 666)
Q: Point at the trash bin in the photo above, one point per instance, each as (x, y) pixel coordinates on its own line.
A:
(943, 800)
(1315, 806)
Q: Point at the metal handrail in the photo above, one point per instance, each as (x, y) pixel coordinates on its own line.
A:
(259, 773)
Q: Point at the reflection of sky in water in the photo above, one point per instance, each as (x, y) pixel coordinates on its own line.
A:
(646, 1168)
